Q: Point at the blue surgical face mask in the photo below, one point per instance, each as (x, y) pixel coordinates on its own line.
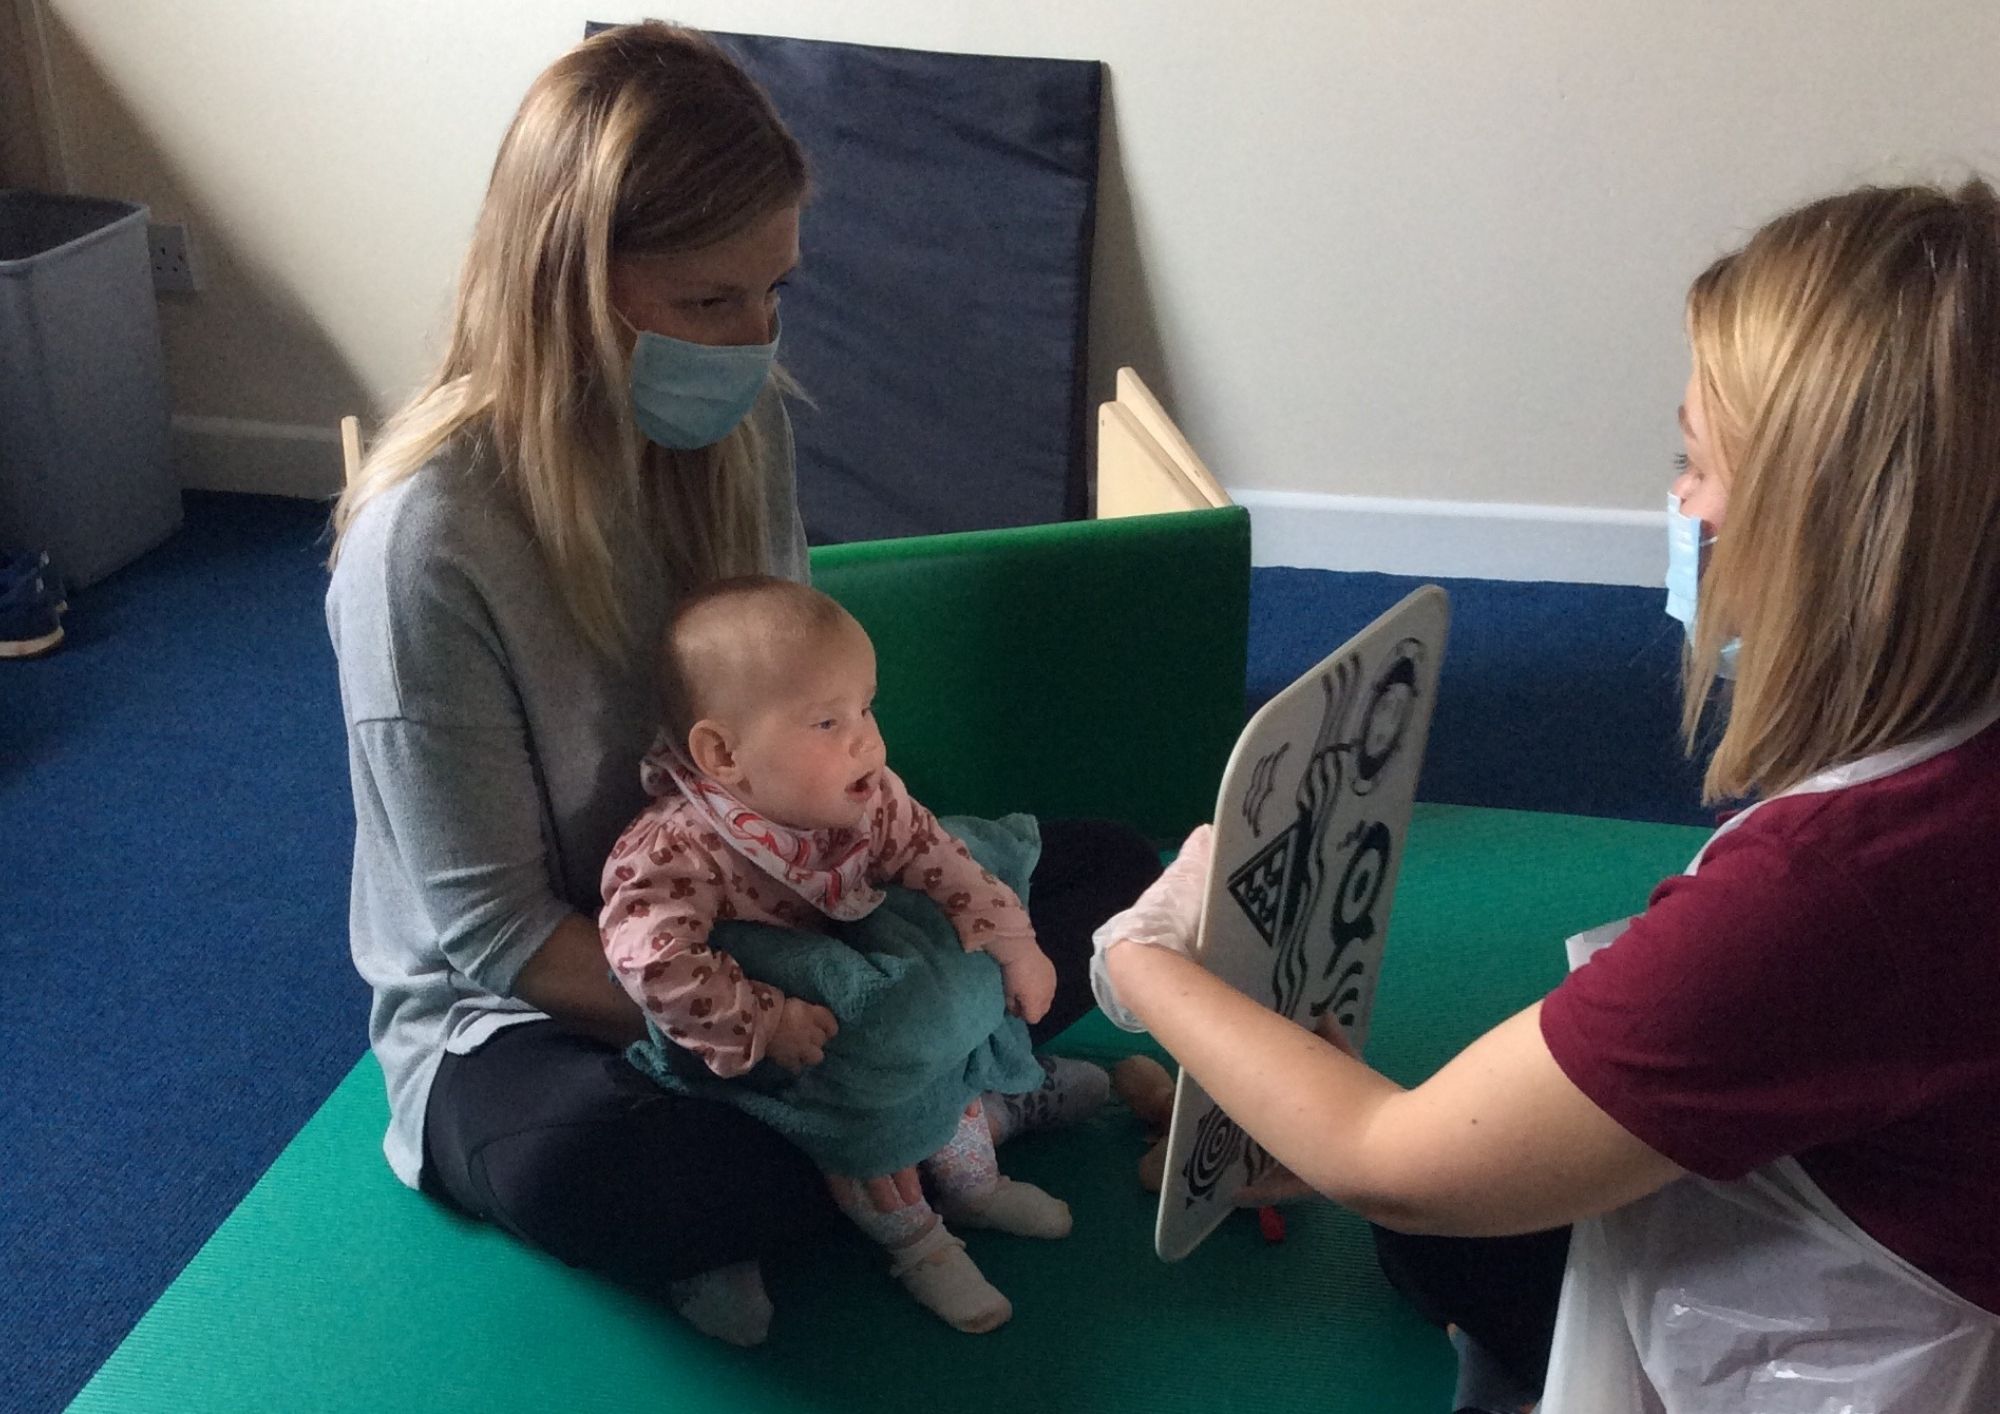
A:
(1684, 546)
(688, 395)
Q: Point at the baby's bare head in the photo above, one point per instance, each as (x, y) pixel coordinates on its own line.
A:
(739, 645)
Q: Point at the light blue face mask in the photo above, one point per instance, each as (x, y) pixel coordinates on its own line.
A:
(693, 395)
(1684, 547)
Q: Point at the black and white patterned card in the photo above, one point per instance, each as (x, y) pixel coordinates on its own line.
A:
(1309, 830)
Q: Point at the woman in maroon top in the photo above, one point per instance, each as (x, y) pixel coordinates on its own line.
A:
(1770, 1104)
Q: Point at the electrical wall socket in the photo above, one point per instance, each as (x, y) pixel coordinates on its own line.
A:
(173, 257)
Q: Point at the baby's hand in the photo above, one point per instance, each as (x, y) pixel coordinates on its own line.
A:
(1030, 981)
(800, 1037)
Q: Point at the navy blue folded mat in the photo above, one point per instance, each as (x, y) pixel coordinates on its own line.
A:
(937, 322)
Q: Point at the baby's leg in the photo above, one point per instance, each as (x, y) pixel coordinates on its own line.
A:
(1071, 1090)
(926, 1259)
(972, 1192)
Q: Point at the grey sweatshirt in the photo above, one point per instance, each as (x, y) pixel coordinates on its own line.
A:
(494, 755)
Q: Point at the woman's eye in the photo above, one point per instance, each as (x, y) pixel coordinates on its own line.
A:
(1680, 461)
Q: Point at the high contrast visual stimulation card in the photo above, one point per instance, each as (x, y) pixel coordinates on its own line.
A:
(1309, 829)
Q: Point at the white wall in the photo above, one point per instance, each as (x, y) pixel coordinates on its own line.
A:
(1431, 250)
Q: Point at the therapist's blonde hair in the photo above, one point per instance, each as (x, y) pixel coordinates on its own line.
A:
(1849, 362)
(645, 139)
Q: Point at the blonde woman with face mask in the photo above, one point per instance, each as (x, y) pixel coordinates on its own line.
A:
(1770, 1103)
(604, 433)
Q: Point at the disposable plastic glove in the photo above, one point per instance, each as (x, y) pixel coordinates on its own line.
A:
(1167, 915)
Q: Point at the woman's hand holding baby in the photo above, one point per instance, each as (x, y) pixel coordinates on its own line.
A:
(800, 1037)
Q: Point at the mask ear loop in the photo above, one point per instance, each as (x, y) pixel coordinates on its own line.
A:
(633, 333)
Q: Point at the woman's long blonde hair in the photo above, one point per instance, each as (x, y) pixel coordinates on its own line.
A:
(645, 139)
(1848, 358)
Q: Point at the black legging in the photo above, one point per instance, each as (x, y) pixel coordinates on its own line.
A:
(557, 1139)
(1501, 1291)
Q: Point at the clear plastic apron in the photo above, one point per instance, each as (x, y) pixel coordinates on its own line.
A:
(1760, 1296)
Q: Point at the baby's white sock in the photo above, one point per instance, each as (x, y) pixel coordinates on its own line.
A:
(937, 1272)
(728, 1303)
(1019, 1208)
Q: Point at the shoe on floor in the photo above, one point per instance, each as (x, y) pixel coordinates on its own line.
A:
(24, 564)
(31, 607)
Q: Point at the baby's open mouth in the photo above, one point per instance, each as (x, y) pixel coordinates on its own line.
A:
(861, 786)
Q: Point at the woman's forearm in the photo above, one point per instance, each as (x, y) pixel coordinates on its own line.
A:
(1499, 1141)
(569, 979)
(1297, 1095)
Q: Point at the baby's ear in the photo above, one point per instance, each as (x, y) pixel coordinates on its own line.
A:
(711, 751)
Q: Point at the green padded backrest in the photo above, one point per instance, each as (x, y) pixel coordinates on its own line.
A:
(1086, 668)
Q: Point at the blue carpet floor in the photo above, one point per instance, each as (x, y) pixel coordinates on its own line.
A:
(174, 840)
(1562, 697)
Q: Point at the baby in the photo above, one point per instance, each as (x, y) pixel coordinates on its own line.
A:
(773, 803)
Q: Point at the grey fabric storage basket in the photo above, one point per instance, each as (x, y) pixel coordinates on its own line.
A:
(86, 471)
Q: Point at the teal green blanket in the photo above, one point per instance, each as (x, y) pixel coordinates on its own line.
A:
(923, 1023)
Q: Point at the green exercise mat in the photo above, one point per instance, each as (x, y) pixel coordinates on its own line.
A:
(332, 1288)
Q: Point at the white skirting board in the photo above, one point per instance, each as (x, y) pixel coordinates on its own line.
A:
(270, 458)
(1459, 539)
(1383, 534)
